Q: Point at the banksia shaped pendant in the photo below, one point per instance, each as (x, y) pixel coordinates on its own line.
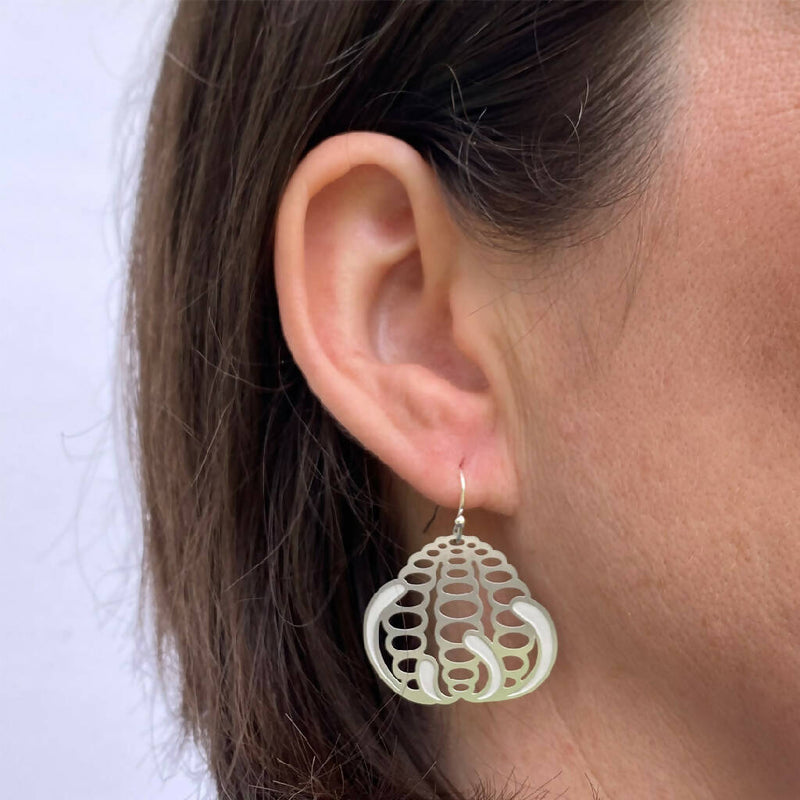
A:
(459, 624)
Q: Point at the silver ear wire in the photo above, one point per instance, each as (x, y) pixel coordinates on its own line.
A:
(458, 524)
(471, 592)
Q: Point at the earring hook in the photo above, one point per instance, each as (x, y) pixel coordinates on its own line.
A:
(458, 524)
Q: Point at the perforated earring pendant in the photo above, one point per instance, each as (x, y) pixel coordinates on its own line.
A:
(484, 624)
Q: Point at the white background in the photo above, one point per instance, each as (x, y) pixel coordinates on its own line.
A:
(79, 718)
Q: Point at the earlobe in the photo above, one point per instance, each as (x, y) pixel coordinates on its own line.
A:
(372, 297)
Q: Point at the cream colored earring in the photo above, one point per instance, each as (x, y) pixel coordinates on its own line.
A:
(471, 589)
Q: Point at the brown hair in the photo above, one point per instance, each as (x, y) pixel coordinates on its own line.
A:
(267, 526)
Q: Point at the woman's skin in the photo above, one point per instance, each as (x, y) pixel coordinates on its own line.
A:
(627, 412)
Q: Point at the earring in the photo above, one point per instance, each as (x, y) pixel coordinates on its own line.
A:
(472, 589)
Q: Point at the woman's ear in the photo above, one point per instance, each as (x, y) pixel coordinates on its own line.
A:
(376, 291)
